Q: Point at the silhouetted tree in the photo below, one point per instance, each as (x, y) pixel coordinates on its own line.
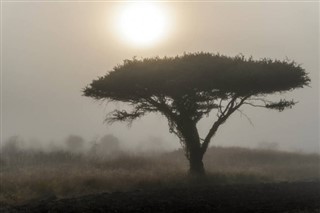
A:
(186, 88)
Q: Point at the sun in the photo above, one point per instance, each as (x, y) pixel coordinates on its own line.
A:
(142, 23)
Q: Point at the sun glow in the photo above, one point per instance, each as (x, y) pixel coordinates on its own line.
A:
(142, 24)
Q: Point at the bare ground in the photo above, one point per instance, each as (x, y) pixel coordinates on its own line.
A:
(263, 197)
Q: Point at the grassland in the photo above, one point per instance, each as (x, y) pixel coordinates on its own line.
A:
(32, 175)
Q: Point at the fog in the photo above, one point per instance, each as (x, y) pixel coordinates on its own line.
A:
(51, 51)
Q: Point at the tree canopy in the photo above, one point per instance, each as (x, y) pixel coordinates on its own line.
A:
(199, 78)
(185, 88)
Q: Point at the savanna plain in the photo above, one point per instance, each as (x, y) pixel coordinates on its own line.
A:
(34, 180)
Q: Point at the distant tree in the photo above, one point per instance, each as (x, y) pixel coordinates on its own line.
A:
(74, 143)
(186, 88)
(12, 145)
(108, 146)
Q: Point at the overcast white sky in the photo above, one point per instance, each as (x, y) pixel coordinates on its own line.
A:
(51, 50)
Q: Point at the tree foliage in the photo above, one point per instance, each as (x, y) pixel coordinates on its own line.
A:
(186, 88)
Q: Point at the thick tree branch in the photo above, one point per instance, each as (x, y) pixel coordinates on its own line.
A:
(162, 106)
(231, 107)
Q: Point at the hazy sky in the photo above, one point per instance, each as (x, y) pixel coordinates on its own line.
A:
(50, 51)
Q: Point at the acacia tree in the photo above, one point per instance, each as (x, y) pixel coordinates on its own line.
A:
(186, 88)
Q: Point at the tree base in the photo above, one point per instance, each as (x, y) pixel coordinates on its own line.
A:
(197, 169)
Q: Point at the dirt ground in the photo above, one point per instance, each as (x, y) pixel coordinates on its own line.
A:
(272, 197)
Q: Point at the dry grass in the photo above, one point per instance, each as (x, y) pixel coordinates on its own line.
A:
(27, 175)
(271, 165)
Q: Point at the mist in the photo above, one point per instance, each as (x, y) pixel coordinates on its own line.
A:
(51, 51)
(75, 167)
(58, 153)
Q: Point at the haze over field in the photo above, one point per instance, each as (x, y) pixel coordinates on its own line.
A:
(51, 51)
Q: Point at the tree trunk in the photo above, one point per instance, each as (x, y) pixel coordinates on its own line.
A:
(195, 161)
(193, 146)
